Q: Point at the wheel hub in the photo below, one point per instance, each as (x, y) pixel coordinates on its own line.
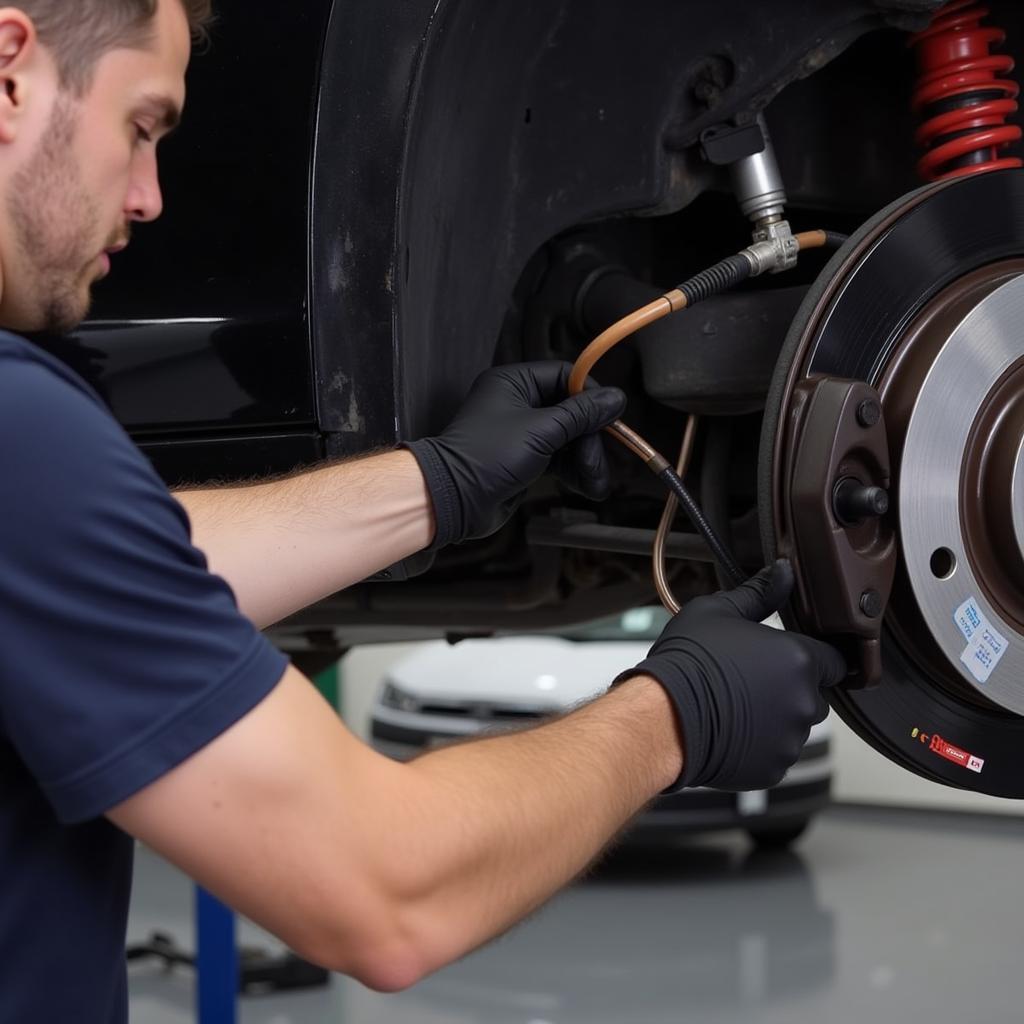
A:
(962, 463)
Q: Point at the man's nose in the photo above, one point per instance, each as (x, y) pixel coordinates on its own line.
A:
(145, 201)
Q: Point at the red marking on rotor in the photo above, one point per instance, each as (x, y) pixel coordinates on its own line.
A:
(955, 754)
(949, 751)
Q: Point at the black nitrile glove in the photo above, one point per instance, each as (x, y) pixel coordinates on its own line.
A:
(516, 421)
(745, 694)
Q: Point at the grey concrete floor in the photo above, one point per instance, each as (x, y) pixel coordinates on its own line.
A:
(875, 916)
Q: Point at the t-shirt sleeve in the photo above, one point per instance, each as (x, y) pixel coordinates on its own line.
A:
(120, 654)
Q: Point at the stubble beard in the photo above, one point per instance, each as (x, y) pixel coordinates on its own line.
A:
(56, 227)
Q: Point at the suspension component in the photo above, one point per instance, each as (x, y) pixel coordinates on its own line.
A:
(962, 95)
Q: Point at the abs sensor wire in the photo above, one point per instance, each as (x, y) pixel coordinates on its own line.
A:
(720, 277)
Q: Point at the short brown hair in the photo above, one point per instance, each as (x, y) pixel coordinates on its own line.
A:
(80, 32)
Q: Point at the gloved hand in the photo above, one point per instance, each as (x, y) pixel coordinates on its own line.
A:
(745, 694)
(516, 421)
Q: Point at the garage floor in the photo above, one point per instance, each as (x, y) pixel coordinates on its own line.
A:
(877, 915)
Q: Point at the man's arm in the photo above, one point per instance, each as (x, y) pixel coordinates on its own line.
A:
(387, 871)
(285, 544)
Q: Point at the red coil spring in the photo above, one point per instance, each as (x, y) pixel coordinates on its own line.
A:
(961, 95)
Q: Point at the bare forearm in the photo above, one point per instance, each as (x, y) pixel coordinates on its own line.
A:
(500, 824)
(283, 545)
(388, 871)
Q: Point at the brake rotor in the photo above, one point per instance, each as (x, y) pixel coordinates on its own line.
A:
(925, 305)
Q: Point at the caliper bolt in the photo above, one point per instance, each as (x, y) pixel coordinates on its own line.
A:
(869, 412)
(871, 603)
(853, 501)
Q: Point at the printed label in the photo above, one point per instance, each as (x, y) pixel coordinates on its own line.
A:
(969, 618)
(948, 751)
(985, 644)
(937, 745)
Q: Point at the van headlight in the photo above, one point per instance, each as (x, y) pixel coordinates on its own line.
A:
(394, 697)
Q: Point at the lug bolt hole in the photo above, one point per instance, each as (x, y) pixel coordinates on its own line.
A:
(943, 563)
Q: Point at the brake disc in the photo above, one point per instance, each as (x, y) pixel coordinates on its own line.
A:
(923, 308)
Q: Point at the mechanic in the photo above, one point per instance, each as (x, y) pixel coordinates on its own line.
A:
(138, 697)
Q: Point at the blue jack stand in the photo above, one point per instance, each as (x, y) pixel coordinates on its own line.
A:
(222, 970)
(216, 961)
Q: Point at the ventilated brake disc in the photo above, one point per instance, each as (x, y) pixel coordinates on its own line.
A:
(920, 314)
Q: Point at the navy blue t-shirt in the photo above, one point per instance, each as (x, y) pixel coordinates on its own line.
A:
(120, 656)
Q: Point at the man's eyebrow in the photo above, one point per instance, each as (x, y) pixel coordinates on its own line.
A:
(166, 109)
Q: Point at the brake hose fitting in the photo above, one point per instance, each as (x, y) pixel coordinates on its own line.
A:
(748, 153)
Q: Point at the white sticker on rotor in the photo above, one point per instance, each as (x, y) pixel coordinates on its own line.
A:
(985, 645)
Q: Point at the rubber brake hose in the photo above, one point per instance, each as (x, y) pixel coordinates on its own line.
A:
(720, 277)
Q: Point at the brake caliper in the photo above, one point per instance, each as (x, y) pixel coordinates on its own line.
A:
(840, 536)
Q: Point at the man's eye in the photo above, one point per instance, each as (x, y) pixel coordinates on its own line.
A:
(142, 134)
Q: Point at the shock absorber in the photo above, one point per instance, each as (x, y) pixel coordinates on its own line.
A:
(962, 94)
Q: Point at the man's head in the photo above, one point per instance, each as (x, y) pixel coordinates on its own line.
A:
(87, 89)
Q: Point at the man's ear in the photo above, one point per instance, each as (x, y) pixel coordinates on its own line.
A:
(17, 44)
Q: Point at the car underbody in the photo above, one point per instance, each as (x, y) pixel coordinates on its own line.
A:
(428, 189)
